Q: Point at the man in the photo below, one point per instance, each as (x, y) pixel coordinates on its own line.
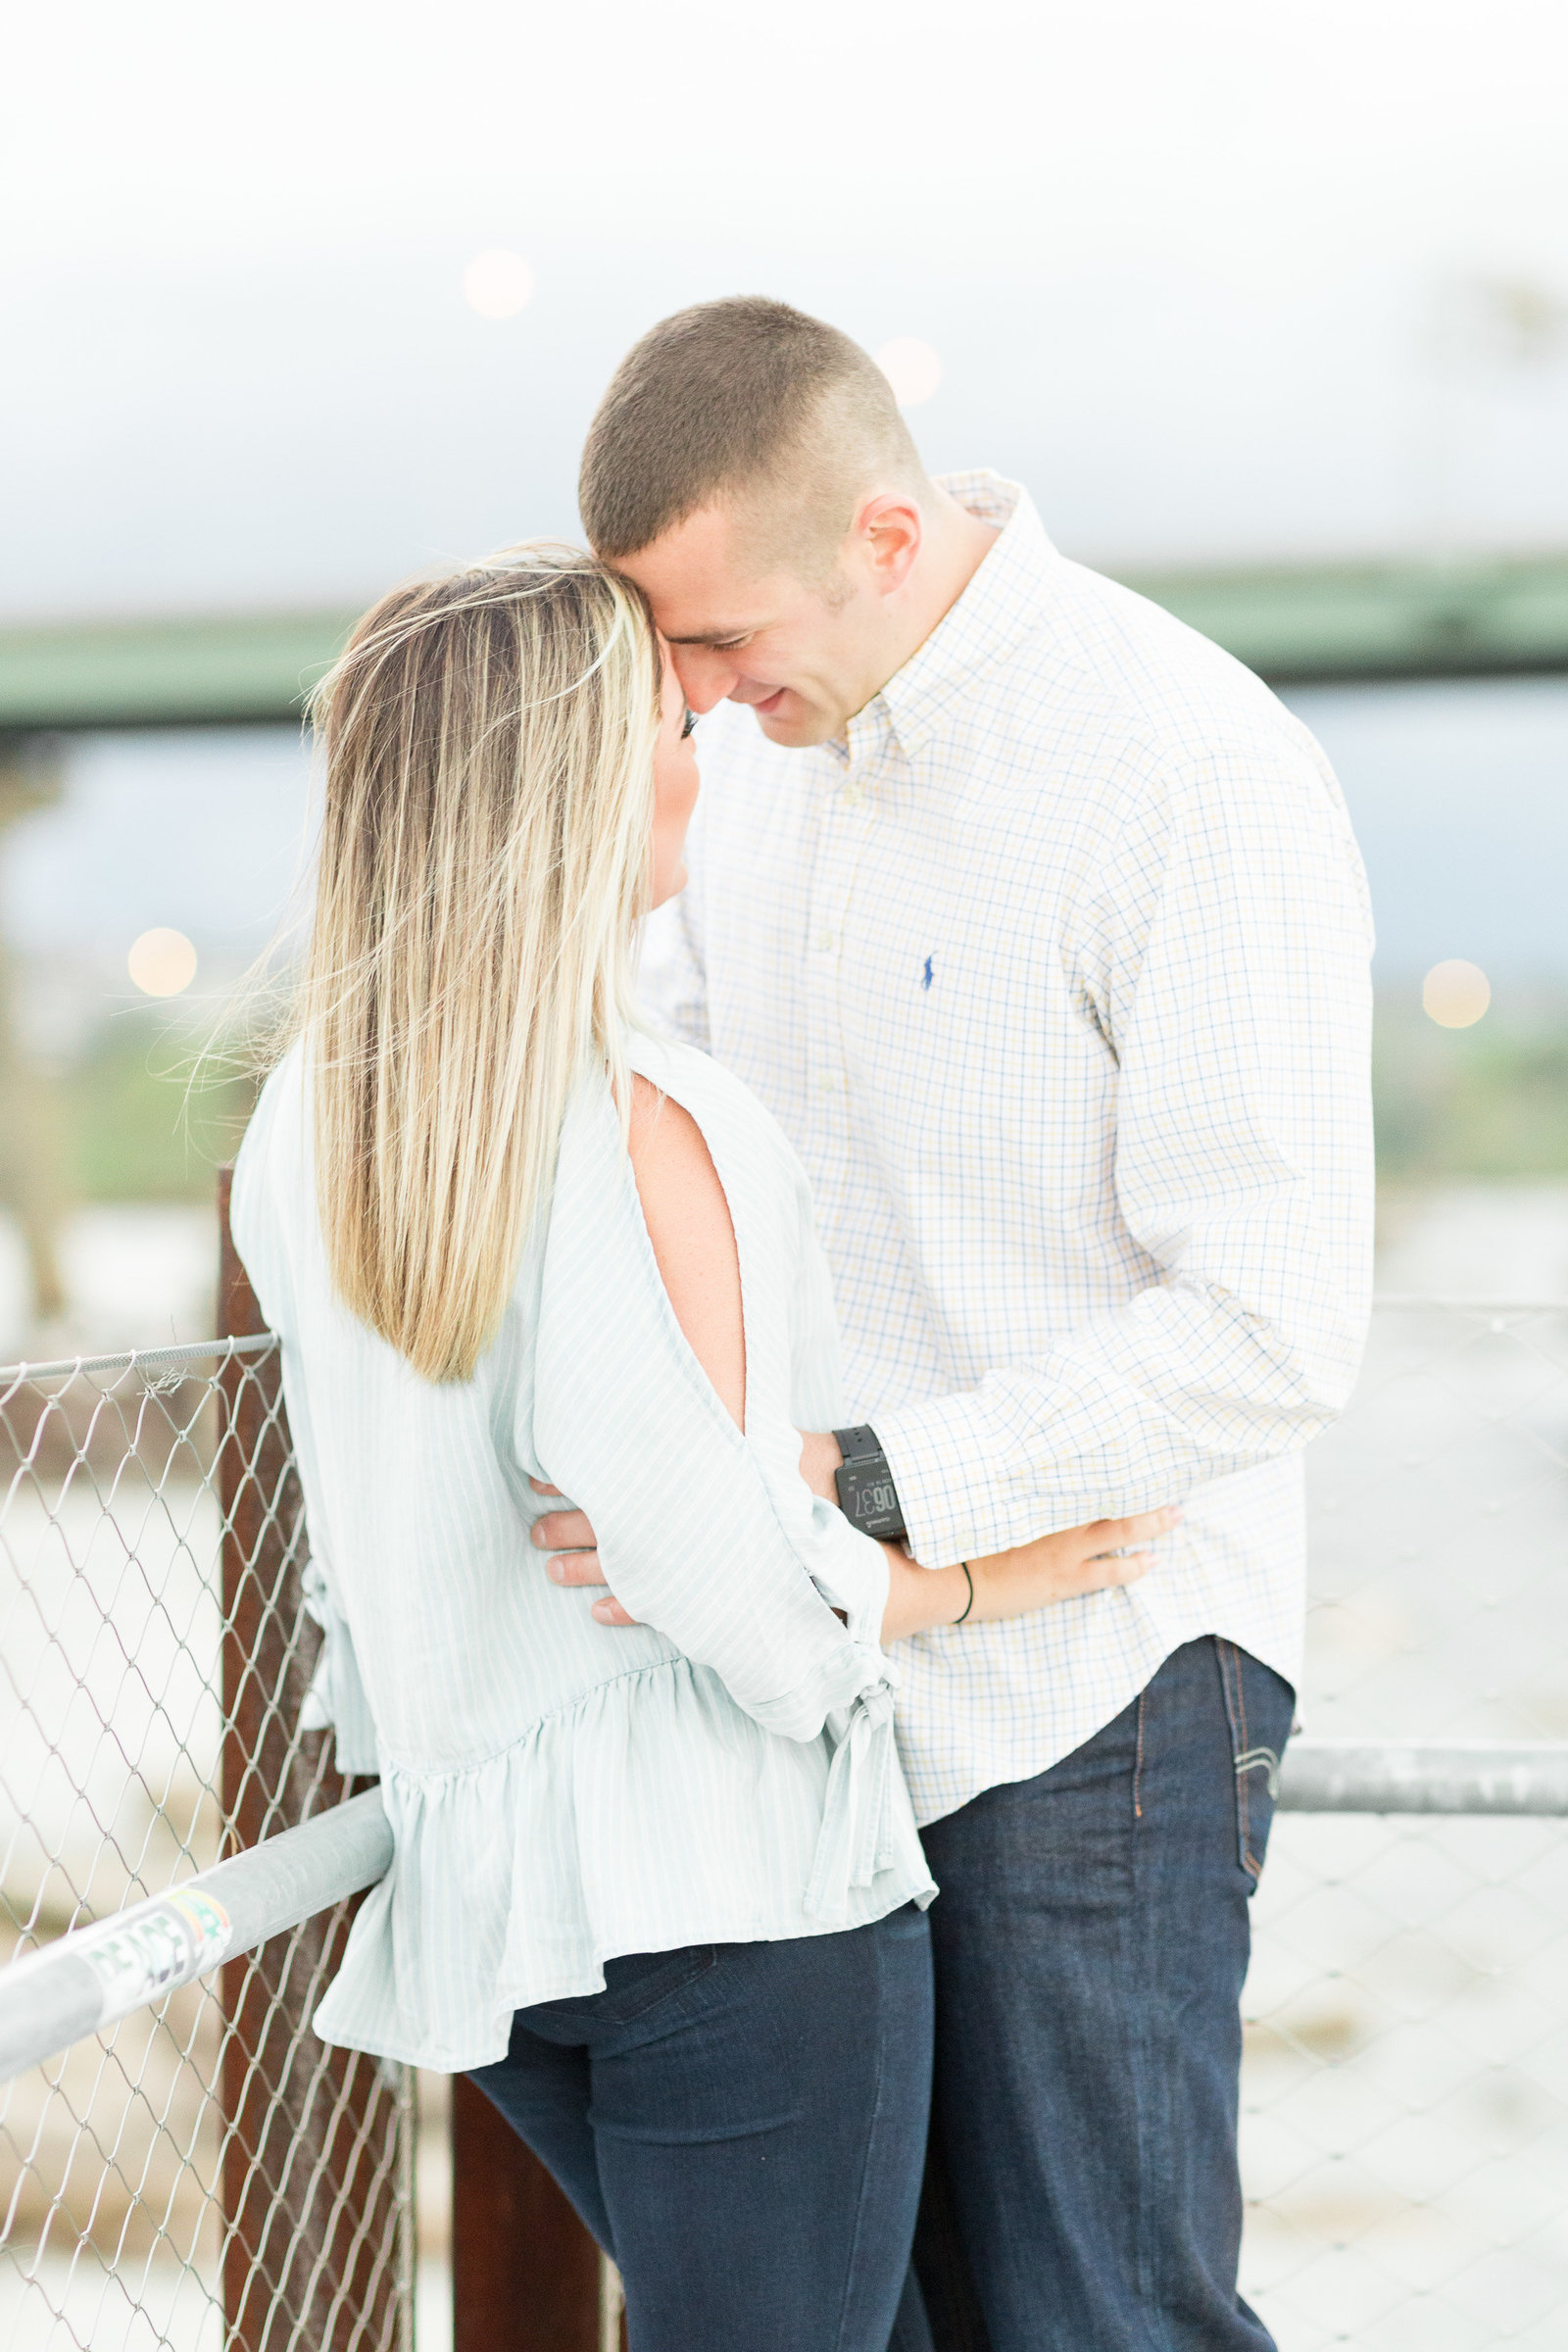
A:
(1039, 925)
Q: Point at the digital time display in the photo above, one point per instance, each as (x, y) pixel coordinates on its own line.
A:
(869, 1498)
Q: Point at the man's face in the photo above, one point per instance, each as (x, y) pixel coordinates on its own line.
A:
(802, 660)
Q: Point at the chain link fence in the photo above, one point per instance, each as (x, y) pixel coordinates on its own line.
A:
(206, 2175)
(1405, 2093)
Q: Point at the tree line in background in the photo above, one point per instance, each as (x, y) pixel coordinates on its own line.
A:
(1485, 1103)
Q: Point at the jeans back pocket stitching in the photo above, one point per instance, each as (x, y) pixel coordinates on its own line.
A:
(665, 1988)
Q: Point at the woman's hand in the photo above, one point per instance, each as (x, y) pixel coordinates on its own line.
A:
(1010, 1584)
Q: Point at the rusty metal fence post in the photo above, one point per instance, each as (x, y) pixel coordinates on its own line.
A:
(311, 2209)
(525, 2273)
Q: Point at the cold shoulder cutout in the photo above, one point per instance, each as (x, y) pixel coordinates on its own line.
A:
(693, 1235)
(561, 1792)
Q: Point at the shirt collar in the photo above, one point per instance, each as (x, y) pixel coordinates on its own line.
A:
(992, 615)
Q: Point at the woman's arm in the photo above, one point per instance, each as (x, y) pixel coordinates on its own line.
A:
(699, 1535)
(1007, 1584)
(693, 1240)
(689, 1225)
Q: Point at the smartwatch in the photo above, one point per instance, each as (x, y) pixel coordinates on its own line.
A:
(867, 1495)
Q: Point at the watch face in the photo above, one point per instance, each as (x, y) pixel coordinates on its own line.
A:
(871, 1502)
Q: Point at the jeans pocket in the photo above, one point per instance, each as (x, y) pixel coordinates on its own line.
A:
(638, 1981)
(1260, 1704)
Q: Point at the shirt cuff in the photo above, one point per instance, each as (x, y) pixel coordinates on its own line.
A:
(937, 1452)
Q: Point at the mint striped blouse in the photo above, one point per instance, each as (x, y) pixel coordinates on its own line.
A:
(561, 1792)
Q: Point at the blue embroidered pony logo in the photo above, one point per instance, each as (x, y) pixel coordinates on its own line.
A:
(925, 976)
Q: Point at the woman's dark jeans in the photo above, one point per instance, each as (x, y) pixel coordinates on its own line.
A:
(742, 2126)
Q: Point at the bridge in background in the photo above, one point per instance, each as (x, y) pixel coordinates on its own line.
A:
(1298, 625)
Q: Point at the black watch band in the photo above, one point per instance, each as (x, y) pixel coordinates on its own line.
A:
(867, 1495)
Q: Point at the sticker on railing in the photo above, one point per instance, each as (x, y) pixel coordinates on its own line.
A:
(186, 1934)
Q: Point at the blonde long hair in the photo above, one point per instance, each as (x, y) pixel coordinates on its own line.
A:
(484, 854)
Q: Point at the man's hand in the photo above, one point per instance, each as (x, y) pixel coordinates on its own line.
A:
(569, 1535)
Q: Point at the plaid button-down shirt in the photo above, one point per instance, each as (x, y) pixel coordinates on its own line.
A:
(1055, 975)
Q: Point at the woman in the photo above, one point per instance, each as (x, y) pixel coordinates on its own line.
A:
(661, 1889)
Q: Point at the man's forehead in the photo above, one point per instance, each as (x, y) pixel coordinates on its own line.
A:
(697, 582)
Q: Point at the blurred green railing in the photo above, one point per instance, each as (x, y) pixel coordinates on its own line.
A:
(1474, 616)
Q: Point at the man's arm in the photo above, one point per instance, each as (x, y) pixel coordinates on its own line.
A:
(1223, 955)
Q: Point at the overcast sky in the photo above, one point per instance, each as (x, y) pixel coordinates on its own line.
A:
(1220, 279)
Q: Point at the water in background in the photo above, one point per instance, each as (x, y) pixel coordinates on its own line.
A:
(1459, 790)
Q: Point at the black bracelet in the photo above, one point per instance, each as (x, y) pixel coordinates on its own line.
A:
(969, 1604)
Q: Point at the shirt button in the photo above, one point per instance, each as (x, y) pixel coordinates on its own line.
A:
(853, 795)
(824, 942)
(828, 1085)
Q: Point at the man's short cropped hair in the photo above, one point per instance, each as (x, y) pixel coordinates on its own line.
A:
(749, 399)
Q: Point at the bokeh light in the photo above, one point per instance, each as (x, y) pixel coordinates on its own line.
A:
(498, 285)
(1456, 993)
(161, 963)
(912, 367)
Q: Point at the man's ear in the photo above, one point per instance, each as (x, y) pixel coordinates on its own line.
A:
(888, 528)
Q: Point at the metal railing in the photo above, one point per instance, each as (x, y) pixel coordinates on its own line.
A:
(204, 2173)
(90, 1979)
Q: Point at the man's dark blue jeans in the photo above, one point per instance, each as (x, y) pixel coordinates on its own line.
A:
(742, 2126)
(1091, 1938)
